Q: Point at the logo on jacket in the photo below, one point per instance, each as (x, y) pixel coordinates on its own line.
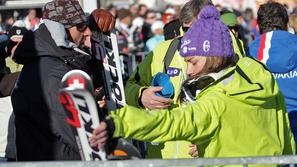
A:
(289, 75)
(173, 72)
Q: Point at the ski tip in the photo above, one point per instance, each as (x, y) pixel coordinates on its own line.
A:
(77, 79)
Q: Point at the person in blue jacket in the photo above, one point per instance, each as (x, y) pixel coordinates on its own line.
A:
(276, 48)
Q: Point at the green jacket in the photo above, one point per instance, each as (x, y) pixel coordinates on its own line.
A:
(241, 114)
(151, 65)
(142, 78)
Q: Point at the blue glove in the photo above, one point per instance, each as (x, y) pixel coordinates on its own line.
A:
(163, 80)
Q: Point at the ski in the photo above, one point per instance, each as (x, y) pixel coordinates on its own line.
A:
(105, 49)
(81, 110)
(107, 62)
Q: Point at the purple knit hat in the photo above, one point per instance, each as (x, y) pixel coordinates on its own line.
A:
(208, 36)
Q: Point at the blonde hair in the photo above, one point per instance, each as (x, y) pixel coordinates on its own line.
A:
(215, 64)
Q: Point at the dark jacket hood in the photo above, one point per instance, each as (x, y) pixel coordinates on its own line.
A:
(48, 39)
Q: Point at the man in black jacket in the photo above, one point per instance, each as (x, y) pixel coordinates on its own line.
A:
(47, 53)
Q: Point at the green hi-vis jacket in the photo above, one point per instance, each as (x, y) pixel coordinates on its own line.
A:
(142, 78)
(241, 114)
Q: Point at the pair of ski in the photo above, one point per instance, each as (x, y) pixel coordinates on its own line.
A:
(78, 98)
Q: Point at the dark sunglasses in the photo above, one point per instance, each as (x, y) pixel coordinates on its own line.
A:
(81, 27)
(185, 29)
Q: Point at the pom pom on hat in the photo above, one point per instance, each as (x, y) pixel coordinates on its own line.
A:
(208, 13)
(208, 36)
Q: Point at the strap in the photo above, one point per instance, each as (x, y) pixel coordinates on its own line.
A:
(240, 47)
(238, 43)
(174, 45)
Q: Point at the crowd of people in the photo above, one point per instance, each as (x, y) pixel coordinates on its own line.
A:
(228, 85)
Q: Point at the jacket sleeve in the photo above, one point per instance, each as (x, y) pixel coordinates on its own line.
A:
(195, 122)
(289, 147)
(51, 85)
(140, 79)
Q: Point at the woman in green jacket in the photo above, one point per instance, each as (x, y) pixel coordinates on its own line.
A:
(240, 113)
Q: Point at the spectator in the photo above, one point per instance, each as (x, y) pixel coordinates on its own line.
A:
(8, 23)
(1, 25)
(250, 22)
(7, 82)
(141, 94)
(142, 10)
(112, 9)
(168, 15)
(124, 34)
(243, 33)
(15, 36)
(31, 19)
(134, 10)
(293, 23)
(277, 49)
(49, 52)
(157, 29)
(230, 20)
(244, 96)
(149, 19)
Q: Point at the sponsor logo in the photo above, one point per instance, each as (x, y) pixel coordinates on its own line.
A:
(87, 122)
(79, 116)
(247, 63)
(291, 74)
(186, 42)
(206, 46)
(192, 49)
(18, 32)
(173, 72)
(185, 49)
(113, 73)
(76, 82)
(113, 81)
(72, 113)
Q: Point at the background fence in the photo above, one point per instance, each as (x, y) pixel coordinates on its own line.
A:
(244, 161)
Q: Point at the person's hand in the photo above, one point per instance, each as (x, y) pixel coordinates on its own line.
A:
(151, 101)
(104, 19)
(102, 103)
(193, 150)
(100, 136)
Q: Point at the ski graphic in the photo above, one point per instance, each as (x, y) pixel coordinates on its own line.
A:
(105, 49)
(81, 110)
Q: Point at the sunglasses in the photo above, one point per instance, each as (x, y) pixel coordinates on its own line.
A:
(185, 29)
(81, 27)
